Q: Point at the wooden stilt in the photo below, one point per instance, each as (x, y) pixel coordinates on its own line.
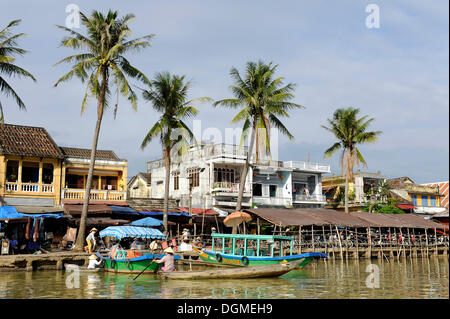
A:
(357, 244)
(312, 237)
(369, 243)
(410, 243)
(340, 242)
(299, 239)
(435, 242)
(346, 243)
(325, 239)
(426, 241)
(258, 225)
(391, 253)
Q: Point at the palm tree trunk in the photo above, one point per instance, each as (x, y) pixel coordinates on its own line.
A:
(87, 193)
(245, 170)
(166, 191)
(346, 193)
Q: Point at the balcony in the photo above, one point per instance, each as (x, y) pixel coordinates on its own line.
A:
(271, 201)
(309, 198)
(95, 195)
(226, 188)
(307, 166)
(29, 188)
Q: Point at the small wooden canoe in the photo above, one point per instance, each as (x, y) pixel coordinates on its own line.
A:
(71, 267)
(274, 270)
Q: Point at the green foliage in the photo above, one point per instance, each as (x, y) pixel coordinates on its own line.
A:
(8, 51)
(381, 208)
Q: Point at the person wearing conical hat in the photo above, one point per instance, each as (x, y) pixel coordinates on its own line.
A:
(168, 260)
(93, 261)
(90, 240)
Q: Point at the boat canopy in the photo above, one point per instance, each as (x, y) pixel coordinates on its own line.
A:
(120, 232)
(257, 237)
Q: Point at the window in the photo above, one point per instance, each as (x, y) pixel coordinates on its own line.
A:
(12, 169)
(414, 199)
(30, 172)
(109, 182)
(257, 189)
(424, 200)
(273, 190)
(223, 175)
(74, 181)
(432, 201)
(194, 177)
(176, 180)
(47, 173)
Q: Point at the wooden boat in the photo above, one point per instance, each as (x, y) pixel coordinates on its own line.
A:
(70, 267)
(131, 261)
(273, 270)
(254, 250)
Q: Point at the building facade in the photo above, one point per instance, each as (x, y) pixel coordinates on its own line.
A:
(209, 176)
(425, 199)
(34, 171)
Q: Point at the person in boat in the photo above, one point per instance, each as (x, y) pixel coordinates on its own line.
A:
(213, 230)
(93, 262)
(186, 235)
(168, 260)
(90, 240)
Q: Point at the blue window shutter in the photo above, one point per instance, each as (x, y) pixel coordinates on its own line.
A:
(424, 200)
(432, 201)
(414, 199)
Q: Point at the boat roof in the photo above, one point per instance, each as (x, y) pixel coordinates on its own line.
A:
(120, 232)
(260, 237)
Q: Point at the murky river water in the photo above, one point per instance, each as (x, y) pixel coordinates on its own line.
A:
(417, 278)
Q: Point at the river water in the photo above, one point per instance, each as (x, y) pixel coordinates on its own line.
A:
(416, 278)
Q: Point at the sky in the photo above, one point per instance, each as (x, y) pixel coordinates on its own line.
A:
(397, 73)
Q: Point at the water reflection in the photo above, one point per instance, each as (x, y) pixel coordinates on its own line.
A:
(405, 278)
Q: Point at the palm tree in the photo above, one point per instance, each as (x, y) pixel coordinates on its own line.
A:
(262, 99)
(350, 131)
(168, 95)
(104, 67)
(9, 49)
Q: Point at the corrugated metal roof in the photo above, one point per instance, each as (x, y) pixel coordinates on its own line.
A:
(325, 217)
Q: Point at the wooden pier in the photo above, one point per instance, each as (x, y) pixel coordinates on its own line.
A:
(30, 262)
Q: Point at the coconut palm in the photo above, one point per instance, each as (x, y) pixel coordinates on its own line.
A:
(168, 95)
(9, 49)
(104, 68)
(350, 131)
(262, 99)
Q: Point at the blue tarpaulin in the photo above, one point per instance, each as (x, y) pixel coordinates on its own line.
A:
(123, 210)
(11, 212)
(120, 232)
(150, 213)
(147, 221)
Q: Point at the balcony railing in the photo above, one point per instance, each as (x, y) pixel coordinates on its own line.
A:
(309, 198)
(106, 195)
(227, 187)
(29, 187)
(316, 167)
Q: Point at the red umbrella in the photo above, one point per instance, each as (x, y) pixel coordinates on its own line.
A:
(236, 218)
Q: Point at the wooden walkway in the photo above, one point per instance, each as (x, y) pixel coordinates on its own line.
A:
(31, 262)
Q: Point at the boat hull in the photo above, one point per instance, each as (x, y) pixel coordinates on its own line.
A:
(212, 257)
(266, 271)
(133, 265)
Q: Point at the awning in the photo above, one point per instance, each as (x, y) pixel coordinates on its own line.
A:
(147, 221)
(10, 212)
(101, 221)
(199, 211)
(120, 232)
(158, 213)
(401, 206)
(123, 210)
(92, 209)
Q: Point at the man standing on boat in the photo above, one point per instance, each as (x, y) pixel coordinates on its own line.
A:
(90, 240)
(168, 260)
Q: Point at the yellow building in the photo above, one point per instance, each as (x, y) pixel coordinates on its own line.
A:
(35, 172)
(425, 199)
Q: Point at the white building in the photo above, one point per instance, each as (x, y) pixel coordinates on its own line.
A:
(216, 169)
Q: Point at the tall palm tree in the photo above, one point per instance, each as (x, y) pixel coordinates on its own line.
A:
(9, 49)
(168, 95)
(262, 99)
(104, 67)
(350, 131)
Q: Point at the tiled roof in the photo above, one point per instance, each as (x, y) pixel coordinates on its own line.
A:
(27, 141)
(86, 153)
(147, 177)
